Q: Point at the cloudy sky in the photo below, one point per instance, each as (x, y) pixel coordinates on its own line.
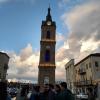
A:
(77, 33)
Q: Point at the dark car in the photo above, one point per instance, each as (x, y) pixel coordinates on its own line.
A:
(13, 92)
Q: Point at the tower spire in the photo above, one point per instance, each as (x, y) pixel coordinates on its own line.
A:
(48, 17)
(49, 9)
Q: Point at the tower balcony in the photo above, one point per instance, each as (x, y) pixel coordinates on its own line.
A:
(47, 65)
(48, 40)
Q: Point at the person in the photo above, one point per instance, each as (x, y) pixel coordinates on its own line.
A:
(65, 93)
(57, 92)
(41, 93)
(46, 92)
(51, 95)
(90, 94)
(23, 94)
(35, 93)
(31, 88)
(8, 97)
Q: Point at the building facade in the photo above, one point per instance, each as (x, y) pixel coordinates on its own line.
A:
(47, 65)
(70, 75)
(4, 59)
(87, 73)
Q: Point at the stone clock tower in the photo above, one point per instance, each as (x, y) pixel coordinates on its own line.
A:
(47, 66)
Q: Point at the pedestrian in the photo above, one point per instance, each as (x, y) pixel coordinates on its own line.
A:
(90, 94)
(65, 93)
(23, 94)
(41, 93)
(46, 91)
(8, 96)
(57, 92)
(35, 93)
(51, 95)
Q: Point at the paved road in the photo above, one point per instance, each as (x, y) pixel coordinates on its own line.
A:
(13, 98)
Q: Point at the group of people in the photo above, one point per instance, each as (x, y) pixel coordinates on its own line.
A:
(43, 92)
(46, 92)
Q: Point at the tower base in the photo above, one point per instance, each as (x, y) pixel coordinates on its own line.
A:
(46, 76)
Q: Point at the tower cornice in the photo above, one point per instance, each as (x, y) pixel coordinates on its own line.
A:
(48, 40)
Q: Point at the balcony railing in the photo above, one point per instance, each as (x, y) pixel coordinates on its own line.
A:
(83, 83)
(82, 71)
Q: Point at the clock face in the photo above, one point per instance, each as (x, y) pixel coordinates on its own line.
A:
(49, 23)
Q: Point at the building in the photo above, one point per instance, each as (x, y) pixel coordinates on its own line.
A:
(87, 73)
(4, 59)
(47, 65)
(70, 75)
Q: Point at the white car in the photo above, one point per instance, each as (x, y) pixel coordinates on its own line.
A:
(29, 94)
(82, 96)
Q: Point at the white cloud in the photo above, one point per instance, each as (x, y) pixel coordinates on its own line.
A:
(2, 1)
(25, 65)
(66, 45)
(26, 52)
(59, 37)
(25, 1)
(79, 13)
(89, 45)
(83, 22)
(62, 3)
(60, 69)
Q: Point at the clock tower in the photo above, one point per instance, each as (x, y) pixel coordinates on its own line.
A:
(46, 73)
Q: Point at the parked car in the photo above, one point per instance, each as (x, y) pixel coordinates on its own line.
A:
(13, 92)
(82, 96)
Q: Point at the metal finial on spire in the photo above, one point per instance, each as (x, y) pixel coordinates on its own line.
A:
(49, 9)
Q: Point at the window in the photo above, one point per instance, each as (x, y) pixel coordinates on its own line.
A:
(86, 66)
(5, 67)
(96, 64)
(76, 71)
(89, 65)
(48, 35)
(47, 55)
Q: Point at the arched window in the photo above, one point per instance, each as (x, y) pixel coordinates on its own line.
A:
(48, 35)
(47, 55)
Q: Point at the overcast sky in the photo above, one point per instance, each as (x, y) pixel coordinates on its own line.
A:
(77, 33)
